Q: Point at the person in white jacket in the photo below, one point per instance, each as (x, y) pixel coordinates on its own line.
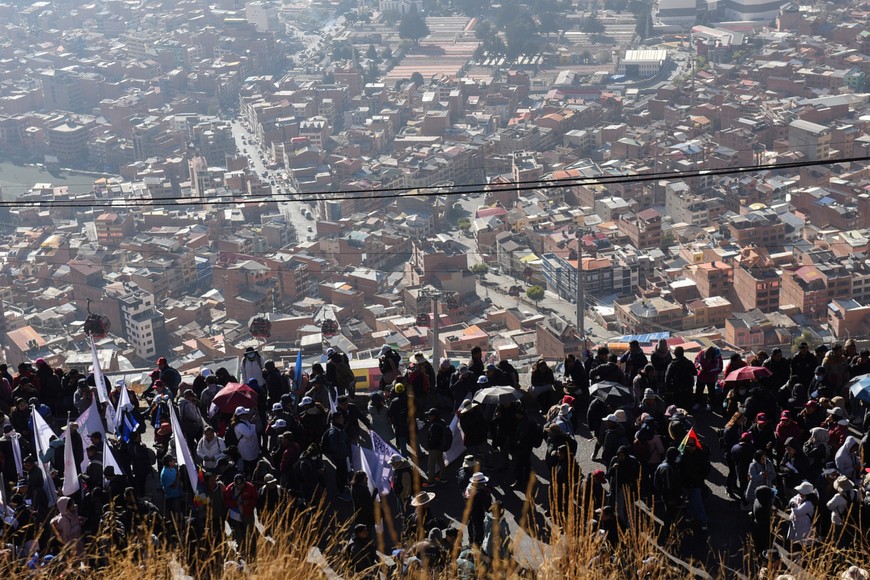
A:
(840, 505)
(847, 460)
(249, 441)
(802, 508)
(210, 449)
(251, 366)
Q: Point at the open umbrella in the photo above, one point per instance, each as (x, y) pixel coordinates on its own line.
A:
(497, 395)
(610, 392)
(235, 395)
(747, 374)
(859, 387)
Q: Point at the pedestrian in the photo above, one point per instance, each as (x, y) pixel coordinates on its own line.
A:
(679, 380)
(252, 365)
(400, 419)
(240, 499)
(359, 553)
(401, 482)
(527, 436)
(336, 446)
(667, 487)
(210, 448)
(363, 500)
(762, 518)
(761, 472)
(248, 441)
(694, 469)
(801, 510)
(173, 493)
(479, 494)
(439, 439)
(708, 362)
(496, 534)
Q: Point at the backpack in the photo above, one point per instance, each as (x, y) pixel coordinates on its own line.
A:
(642, 451)
(446, 438)
(665, 480)
(538, 437)
(230, 437)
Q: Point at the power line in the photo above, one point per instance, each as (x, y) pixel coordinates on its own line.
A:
(22, 185)
(549, 183)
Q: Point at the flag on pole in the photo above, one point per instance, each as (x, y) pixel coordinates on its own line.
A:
(333, 407)
(41, 440)
(99, 381)
(297, 371)
(182, 451)
(89, 421)
(125, 423)
(70, 470)
(457, 449)
(109, 457)
(369, 461)
(690, 436)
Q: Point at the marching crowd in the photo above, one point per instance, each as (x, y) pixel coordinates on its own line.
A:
(279, 440)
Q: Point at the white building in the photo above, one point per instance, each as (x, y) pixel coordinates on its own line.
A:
(677, 12)
(400, 6)
(263, 15)
(753, 10)
(144, 325)
(642, 63)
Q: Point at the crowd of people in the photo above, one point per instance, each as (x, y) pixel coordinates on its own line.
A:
(794, 447)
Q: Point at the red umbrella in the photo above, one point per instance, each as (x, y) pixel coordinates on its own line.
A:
(747, 374)
(235, 395)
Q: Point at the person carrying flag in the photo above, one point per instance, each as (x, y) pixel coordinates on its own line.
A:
(694, 468)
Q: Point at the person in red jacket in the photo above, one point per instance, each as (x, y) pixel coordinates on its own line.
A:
(240, 499)
(787, 427)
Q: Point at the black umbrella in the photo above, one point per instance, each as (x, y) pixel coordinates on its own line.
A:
(610, 392)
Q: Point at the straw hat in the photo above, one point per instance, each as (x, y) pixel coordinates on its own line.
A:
(805, 488)
(422, 498)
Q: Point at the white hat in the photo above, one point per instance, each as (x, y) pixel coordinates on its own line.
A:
(620, 416)
(241, 411)
(269, 478)
(468, 461)
(805, 488)
(466, 405)
(206, 372)
(838, 411)
(279, 424)
(385, 349)
(330, 351)
(306, 401)
(396, 458)
(482, 380)
(649, 394)
(478, 477)
(120, 383)
(422, 498)
(612, 417)
(277, 407)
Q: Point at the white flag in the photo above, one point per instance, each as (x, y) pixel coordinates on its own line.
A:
(182, 451)
(124, 402)
(70, 471)
(111, 425)
(369, 461)
(99, 381)
(41, 441)
(90, 422)
(456, 450)
(109, 457)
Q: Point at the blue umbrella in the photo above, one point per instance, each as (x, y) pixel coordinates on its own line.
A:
(860, 387)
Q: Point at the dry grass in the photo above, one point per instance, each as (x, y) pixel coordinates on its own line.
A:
(575, 548)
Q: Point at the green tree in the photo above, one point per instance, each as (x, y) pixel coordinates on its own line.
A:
(592, 24)
(413, 27)
(372, 53)
(484, 30)
(480, 269)
(417, 79)
(464, 224)
(535, 293)
(521, 36)
(807, 337)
